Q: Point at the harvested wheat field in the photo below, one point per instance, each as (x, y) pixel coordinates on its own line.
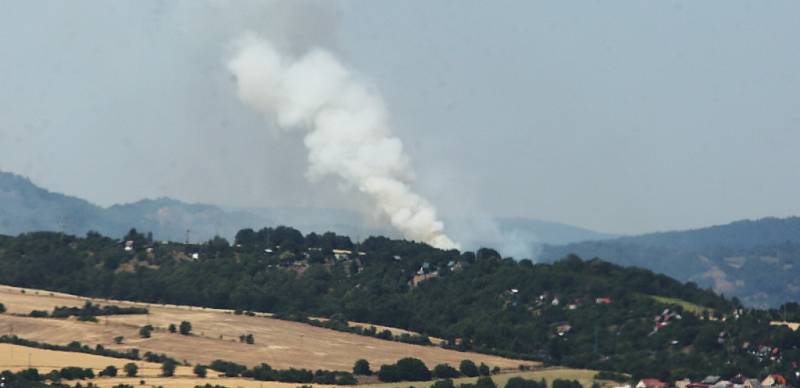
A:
(215, 335)
(16, 358)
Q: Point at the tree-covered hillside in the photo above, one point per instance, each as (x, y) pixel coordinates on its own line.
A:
(722, 257)
(574, 312)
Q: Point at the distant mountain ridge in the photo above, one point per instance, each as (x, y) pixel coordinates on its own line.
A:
(757, 261)
(26, 207)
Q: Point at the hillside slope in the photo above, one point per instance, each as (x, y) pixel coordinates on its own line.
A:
(756, 261)
(582, 314)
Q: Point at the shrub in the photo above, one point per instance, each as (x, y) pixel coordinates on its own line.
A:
(406, 369)
(200, 371)
(389, 374)
(468, 368)
(361, 367)
(168, 368)
(560, 383)
(172, 328)
(446, 383)
(185, 328)
(519, 382)
(484, 370)
(230, 369)
(118, 339)
(444, 371)
(109, 371)
(145, 331)
(131, 369)
(2, 308)
(485, 382)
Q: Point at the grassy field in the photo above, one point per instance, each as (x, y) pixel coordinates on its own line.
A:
(15, 358)
(687, 306)
(281, 344)
(584, 376)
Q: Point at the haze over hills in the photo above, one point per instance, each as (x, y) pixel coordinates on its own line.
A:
(754, 260)
(26, 207)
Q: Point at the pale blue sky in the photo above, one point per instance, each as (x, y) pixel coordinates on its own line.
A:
(622, 116)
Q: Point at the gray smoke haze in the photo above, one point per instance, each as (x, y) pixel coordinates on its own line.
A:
(544, 110)
(349, 133)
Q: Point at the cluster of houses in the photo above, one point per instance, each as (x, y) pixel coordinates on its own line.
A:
(662, 320)
(553, 300)
(771, 381)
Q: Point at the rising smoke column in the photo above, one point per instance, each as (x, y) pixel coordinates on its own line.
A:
(348, 134)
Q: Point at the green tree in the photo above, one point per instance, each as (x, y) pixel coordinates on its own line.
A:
(2, 308)
(200, 371)
(109, 371)
(361, 367)
(485, 382)
(185, 328)
(468, 368)
(484, 370)
(145, 331)
(131, 369)
(172, 328)
(168, 368)
(444, 371)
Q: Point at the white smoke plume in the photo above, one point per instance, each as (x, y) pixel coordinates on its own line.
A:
(348, 132)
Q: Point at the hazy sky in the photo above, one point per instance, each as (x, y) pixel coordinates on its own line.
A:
(622, 116)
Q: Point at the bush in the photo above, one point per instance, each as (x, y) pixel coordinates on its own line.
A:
(519, 382)
(168, 368)
(230, 369)
(2, 308)
(145, 331)
(446, 383)
(200, 371)
(131, 369)
(444, 371)
(559, 383)
(361, 367)
(172, 328)
(484, 370)
(118, 339)
(109, 371)
(468, 368)
(407, 369)
(485, 382)
(185, 328)
(389, 374)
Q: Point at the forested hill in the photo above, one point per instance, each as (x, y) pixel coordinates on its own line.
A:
(574, 312)
(756, 261)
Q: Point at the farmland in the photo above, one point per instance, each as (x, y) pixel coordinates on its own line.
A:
(215, 335)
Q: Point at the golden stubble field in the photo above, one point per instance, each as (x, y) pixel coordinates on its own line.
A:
(281, 344)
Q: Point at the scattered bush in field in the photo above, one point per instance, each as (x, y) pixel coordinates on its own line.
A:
(361, 367)
(131, 369)
(200, 371)
(109, 371)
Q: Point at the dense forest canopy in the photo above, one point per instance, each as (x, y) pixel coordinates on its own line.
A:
(573, 312)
